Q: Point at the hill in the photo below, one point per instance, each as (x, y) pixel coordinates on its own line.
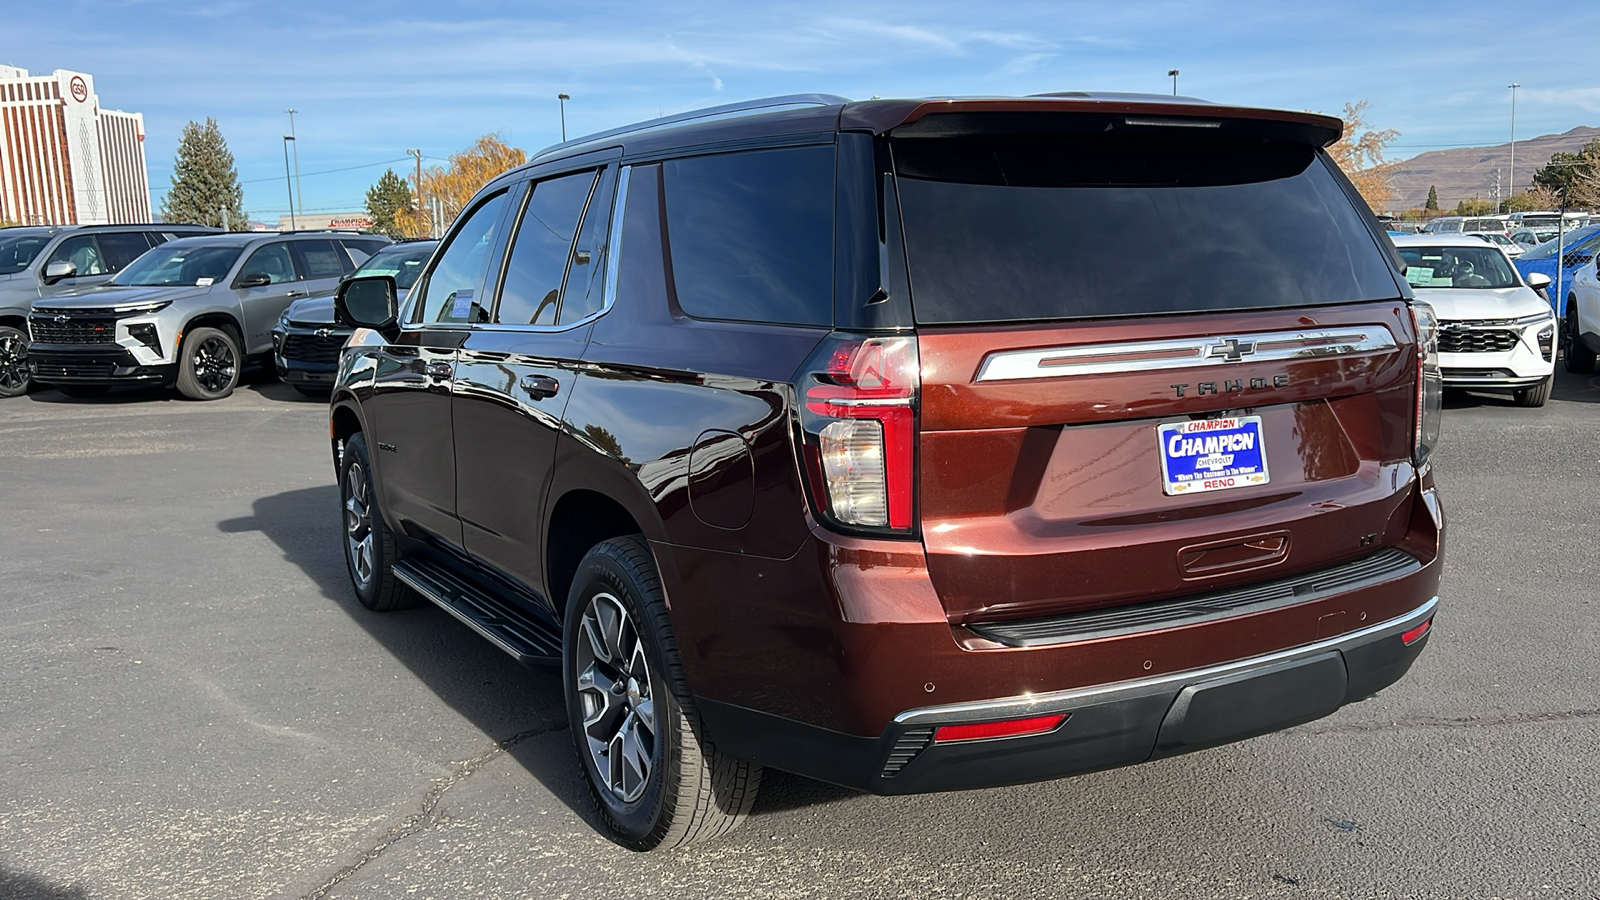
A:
(1469, 171)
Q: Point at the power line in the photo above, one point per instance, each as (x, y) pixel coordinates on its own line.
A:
(386, 162)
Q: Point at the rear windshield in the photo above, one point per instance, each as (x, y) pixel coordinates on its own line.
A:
(1001, 229)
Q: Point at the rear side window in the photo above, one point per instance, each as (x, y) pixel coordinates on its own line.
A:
(532, 285)
(318, 259)
(752, 234)
(121, 248)
(1008, 228)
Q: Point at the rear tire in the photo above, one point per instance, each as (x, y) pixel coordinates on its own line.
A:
(1534, 396)
(83, 391)
(208, 364)
(1579, 359)
(14, 377)
(369, 550)
(657, 780)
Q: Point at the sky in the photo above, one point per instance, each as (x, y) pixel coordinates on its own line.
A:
(372, 80)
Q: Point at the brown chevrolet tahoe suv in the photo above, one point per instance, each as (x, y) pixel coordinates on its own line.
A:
(912, 445)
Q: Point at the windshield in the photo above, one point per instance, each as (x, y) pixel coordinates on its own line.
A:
(1579, 239)
(19, 250)
(175, 265)
(994, 228)
(1458, 267)
(403, 264)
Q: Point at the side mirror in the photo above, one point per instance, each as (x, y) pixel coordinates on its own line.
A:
(366, 302)
(61, 268)
(255, 279)
(1537, 280)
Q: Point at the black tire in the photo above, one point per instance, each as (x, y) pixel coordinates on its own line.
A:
(14, 377)
(83, 391)
(208, 364)
(1579, 359)
(312, 392)
(690, 792)
(1534, 396)
(369, 551)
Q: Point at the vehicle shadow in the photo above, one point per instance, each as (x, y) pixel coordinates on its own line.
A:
(474, 678)
(17, 886)
(1567, 387)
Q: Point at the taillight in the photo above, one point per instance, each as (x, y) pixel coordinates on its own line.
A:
(1430, 383)
(858, 414)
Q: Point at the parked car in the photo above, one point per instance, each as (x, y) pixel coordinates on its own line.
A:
(1528, 239)
(44, 261)
(191, 312)
(1580, 332)
(1495, 332)
(812, 434)
(1511, 248)
(1577, 248)
(306, 341)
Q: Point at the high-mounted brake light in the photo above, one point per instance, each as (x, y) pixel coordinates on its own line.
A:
(860, 412)
(1430, 383)
(979, 731)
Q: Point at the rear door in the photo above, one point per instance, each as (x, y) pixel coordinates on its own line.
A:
(1154, 364)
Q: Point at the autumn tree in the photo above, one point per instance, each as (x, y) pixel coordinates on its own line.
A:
(448, 188)
(1359, 152)
(385, 200)
(205, 186)
(1574, 177)
(1475, 206)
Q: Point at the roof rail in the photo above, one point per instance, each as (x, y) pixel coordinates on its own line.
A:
(731, 110)
(325, 231)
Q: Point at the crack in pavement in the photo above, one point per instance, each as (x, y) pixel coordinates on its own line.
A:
(1427, 722)
(426, 817)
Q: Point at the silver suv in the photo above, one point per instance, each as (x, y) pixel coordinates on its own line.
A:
(191, 312)
(47, 260)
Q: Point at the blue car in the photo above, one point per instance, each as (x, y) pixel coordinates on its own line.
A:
(1578, 247)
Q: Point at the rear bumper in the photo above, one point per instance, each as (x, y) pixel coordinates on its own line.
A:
(1106, 726)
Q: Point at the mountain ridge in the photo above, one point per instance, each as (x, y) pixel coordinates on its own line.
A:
(1466, 172)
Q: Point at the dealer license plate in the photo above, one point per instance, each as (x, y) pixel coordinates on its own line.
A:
(1212, 455)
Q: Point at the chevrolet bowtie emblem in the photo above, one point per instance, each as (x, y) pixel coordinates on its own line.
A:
(323, 332)
(62, 320)
(1232, 350)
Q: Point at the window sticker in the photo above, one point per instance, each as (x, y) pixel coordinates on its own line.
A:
(202, 282)
(462, 307)
(1418, 276)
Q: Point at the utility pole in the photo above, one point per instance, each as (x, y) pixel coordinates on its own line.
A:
(288, 185)
(1174, 74)
(299, 195)
(418, 155)
(1513, 188)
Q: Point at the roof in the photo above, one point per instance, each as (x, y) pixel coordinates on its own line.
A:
(1439, 240)
(240, 238)
(819, 114)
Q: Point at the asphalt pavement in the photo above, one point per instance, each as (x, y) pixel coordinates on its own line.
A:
(193, 705)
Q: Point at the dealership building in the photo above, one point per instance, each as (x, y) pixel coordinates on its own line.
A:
(63, 159)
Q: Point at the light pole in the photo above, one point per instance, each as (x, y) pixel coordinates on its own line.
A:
(563, 98)
(1512, 190)
(287, 184)
(1174, 74)
(299, 195)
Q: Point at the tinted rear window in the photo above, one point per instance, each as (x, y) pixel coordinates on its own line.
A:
(1016, 228)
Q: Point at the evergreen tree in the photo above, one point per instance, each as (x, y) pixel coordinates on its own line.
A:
(387, 198)
(205, 187)
(1433, 198)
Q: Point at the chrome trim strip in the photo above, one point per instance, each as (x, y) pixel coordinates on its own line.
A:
(614, 239)
(1061, 701)
(1183, 353)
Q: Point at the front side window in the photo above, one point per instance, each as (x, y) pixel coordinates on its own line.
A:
(17, 252)
(179, 264)
(450, 292)
(538, 260)
(1459, 267)
(82, 252)
(752, 234)
(272, 261)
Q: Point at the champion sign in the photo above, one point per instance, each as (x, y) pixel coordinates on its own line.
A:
(1212, 455)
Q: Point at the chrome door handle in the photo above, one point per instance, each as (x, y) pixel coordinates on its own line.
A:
(540, 386)
(440, 369)
(296, 293)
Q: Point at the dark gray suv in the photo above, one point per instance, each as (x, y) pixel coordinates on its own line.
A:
(47, 260)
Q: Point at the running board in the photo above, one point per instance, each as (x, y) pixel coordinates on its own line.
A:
(529, 637)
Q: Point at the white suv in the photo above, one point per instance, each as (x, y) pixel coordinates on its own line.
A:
(1495, 332)
(1580, 333)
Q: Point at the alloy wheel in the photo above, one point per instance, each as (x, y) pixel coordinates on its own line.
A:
(13, 362)
(615, 691)
(358, 523)
(215, 364)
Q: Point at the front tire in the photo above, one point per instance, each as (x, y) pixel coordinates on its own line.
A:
(208, 364)
(1579, 358)
(657, 780)
(14, 377)
(1536, 395)
(369, 549)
